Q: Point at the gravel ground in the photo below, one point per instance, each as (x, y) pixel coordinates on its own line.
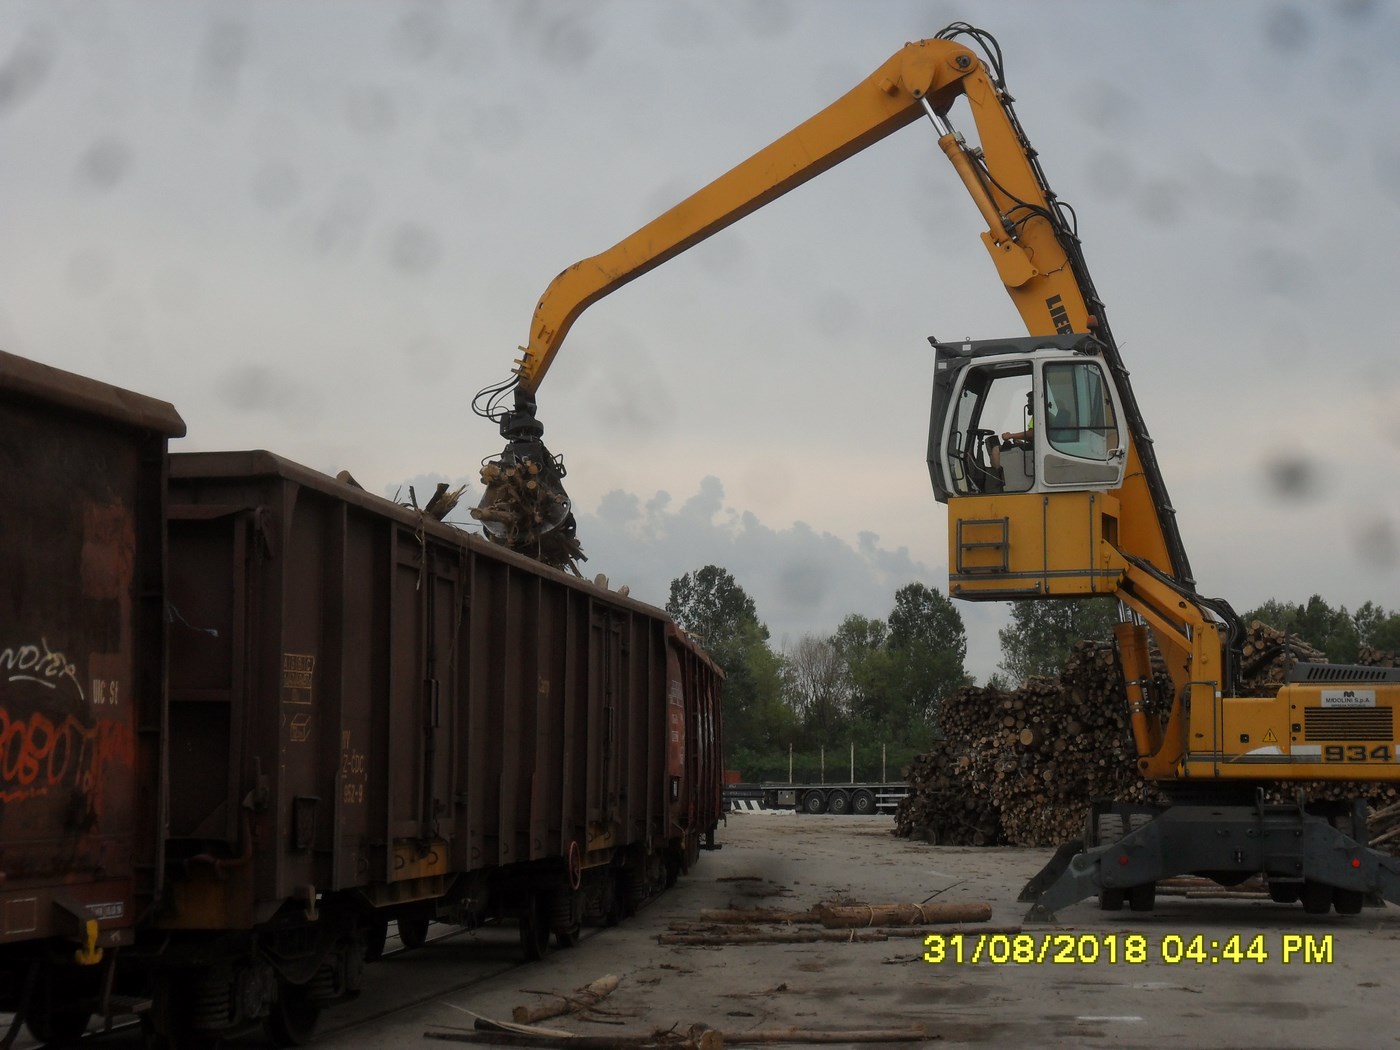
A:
(1180, 975)
(1334, 988)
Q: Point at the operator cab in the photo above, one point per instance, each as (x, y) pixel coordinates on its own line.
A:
(1054, 391)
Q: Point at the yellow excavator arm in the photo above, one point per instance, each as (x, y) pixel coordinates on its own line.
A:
(525, 506)
(923, 78)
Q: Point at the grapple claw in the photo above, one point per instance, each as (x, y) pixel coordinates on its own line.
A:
(525, 506)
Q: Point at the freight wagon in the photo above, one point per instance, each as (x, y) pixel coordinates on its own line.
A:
(82, 490)
(336, 712)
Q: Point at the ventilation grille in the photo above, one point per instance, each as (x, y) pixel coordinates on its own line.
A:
(1332, 723)
(1304, 672)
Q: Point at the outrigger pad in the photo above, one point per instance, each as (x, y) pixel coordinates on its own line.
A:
(1048, 874)
(1220, 842)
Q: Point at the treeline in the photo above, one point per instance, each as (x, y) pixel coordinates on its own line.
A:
(1340, 634)
(877, 685)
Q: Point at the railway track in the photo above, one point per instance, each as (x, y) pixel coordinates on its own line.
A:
(454, 959)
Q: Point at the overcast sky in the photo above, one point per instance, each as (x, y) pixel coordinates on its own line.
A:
(319, 228)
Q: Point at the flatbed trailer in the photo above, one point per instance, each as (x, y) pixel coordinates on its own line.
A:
(859, 799)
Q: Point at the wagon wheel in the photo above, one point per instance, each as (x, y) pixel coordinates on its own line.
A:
(60, 1025)
(690, 852)
(413, 930)
(614, 900)
(376, 933)
(534, 927)
(292, 1021)
(566, 919)
(56, 1013)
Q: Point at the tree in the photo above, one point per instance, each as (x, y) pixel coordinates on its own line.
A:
(928, 643)
(859, 643)
(1041, 634)
(817, 686)
(922, 616)
(710, 604)
(1376, 627)
(1334, 631)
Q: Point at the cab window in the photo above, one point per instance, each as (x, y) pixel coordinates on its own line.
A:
(1079, 417)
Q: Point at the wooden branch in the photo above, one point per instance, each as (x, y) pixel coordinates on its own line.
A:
(588, 996)
(916, 1033)
(500, 1033)
(697, 1037)
(955, 930)
(714, 940)
(1387, 811)
(688, 926)
(843, 917)
(1386, 836)
(756, 915)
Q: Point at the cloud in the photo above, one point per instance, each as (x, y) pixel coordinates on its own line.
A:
(802, 580)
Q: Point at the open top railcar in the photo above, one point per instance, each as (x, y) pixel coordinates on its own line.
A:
(250, 714)
(82, 496)
(374, 716)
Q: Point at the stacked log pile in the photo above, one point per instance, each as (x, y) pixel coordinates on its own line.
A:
(1373, 657)
(1022, 767)
(1268, 656)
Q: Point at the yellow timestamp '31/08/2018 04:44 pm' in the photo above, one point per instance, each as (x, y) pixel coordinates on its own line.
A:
(1021, 949)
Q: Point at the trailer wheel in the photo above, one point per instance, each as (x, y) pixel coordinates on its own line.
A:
(1108, 827)
(1317, 897)
(814, 802)
(1104, 828)
(1285, 891)
(1348, 902)
(863, 802)
(1143, 896)
(839, 803)
(1112, 898)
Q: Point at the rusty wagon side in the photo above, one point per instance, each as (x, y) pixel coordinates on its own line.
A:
(82, 490)
(375, 716)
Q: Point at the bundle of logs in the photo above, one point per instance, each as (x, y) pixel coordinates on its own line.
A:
(1022, 767)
